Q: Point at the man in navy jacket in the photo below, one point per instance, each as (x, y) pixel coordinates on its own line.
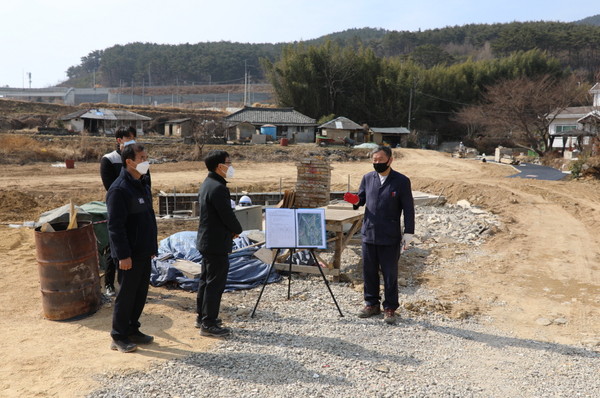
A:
(132, 234)
(217, 227)
(387, 195)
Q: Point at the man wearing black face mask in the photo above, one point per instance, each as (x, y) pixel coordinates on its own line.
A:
(386, 194)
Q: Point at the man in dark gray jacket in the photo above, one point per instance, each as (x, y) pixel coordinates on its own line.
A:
(387, 195)
(216, 230)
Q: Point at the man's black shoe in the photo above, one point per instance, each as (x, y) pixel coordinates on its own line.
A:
(141, 338)
(123, 346)
(218, 322)
(110, 290)
(214, 331)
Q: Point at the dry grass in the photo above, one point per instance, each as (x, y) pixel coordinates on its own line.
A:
(22, 149)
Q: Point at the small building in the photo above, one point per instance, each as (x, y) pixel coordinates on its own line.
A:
(103, 121)
(179, 128)
(393, 136)
(341, 130)
(575, 127)
(242, 132)
(287, 122)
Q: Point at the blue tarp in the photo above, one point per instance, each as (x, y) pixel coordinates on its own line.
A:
(245, 270)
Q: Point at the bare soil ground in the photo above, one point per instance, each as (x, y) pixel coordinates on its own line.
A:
(542, 263)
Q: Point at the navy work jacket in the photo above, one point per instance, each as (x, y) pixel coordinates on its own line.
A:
(132, 227)
(218, 223)
(384, 206)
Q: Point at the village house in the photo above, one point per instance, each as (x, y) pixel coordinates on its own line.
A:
(179, 128)
(273, 123)
(103, 121)
(576, 127)
(341, 130)
(392, 136)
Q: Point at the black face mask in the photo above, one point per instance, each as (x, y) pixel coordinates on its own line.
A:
(380, 167)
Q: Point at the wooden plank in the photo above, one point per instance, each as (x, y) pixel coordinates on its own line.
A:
(189, 268)
(308, 269)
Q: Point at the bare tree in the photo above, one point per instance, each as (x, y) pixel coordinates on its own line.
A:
(523, 109)
(207, 132)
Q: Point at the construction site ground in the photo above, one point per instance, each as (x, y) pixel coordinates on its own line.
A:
(542, 263)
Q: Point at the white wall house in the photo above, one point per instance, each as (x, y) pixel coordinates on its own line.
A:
(576, 123)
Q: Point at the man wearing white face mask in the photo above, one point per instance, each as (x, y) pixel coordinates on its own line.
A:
(216, 230)
(110, 169)
(132, 234)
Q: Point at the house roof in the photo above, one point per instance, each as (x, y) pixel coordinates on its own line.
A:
(390, 130)
(341, 123)
(178, 121)
(276, 116)
(105, 114)
(593, 116)
(574, 112)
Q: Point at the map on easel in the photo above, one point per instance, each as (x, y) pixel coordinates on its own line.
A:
(295, 228)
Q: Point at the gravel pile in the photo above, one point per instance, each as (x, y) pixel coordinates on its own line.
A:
(303, 348)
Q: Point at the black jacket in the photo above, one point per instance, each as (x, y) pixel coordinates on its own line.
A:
(218, 224)
(110, 169)
(132, 229)
(384, 206)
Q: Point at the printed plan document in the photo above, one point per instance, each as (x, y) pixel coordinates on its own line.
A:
(295, 228)
(280, 227)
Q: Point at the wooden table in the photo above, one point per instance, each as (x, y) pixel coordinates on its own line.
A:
(335, 218)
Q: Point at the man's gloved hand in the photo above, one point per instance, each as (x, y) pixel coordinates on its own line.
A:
(351, 198)
(406, 239)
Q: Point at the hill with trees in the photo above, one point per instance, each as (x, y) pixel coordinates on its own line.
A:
(573, 44)
(422, 80)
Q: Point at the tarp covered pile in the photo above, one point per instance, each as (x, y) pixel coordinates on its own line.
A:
(245, 270)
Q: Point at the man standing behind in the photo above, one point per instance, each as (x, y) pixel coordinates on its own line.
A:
(387, 194)
(110, 169)
(132, 234)
(216, 230)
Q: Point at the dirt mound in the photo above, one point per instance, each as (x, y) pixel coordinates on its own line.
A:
(15, 204)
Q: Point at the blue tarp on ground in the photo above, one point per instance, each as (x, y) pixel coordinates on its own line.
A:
(245, 270)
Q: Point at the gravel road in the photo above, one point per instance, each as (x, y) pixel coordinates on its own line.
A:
(302, 348)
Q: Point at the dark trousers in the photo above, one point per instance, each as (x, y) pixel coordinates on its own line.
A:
(210, 288)
(111, 270)
(131, 299)
(384, 258)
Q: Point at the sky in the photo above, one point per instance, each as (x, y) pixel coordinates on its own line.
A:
(45, 37)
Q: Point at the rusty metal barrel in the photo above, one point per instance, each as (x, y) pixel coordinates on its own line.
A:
(68, 268)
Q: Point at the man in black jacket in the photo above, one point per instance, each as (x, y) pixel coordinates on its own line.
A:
(387, 195)
(216, 230)
(110, 169)
(132, 234)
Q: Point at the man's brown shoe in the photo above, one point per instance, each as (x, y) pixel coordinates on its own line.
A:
(369, 311)
(389, 317)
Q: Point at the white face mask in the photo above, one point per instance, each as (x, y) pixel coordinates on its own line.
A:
(143, 167)
(130, 142)
(230, 172)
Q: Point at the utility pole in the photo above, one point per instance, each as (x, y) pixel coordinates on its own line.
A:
(409, 108)
(245, 82)
(29, 74)
(410, 98)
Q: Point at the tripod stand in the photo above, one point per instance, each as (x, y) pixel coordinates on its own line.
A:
(292, 250)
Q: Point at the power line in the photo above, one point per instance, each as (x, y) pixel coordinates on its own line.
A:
(442, 99)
